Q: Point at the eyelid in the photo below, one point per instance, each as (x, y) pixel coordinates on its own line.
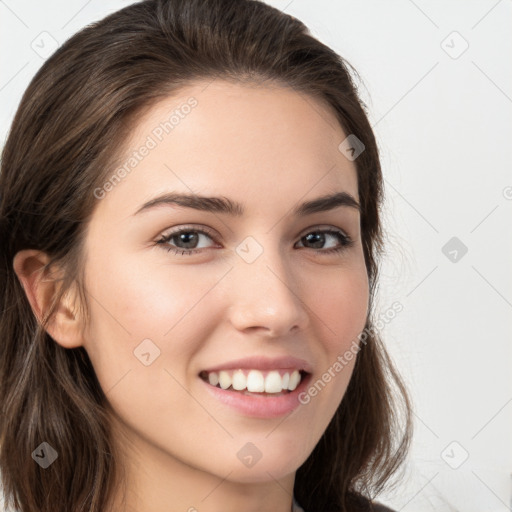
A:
(213, 235)
(324, 227)
(189, 227)
(344, 239)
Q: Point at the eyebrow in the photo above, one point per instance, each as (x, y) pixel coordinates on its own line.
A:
(234, 208)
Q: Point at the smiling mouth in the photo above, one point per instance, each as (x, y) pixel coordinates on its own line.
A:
(255, 382)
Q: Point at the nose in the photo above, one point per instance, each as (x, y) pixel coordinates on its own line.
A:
(265, 296)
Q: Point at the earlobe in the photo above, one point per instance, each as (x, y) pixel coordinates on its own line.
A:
(41, 287)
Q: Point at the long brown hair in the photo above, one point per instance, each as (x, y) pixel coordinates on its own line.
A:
(63, 144)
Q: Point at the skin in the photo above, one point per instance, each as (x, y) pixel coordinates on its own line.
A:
(249, 143)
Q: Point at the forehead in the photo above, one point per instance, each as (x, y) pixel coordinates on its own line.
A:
(249, 142)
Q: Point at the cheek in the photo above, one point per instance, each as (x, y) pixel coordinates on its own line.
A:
(341, 309)
(140, 297)
(130, 302)
(339, 302)
(338, 307)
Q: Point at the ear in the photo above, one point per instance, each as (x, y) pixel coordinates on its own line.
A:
(41, 286)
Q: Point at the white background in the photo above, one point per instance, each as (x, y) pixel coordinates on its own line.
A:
(443, 120)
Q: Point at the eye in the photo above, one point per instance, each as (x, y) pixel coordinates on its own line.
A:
(319, 237)
(186, 239)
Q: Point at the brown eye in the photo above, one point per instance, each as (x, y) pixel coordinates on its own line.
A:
(318, 239)
(184, 240)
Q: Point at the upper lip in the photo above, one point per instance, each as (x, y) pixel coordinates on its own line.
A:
(263, 363)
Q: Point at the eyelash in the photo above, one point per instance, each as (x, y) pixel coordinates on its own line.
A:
(345, 240)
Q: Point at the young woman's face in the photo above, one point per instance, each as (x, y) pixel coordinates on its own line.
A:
(266, 283)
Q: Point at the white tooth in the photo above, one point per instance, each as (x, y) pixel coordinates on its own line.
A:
(294, 380)
(255, 382)
(213, 378)
(239, 380)
(286, 380)
(224, 380)
(273, 383)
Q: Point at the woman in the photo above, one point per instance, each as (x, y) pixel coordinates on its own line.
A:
(190, 233)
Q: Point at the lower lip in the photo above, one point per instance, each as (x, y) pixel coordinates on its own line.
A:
(259, 406)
